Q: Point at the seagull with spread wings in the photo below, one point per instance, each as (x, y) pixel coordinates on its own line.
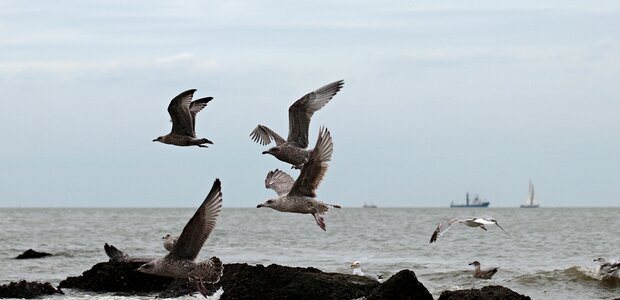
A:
(180, 262)
(471, 222)
(299, 196)
(183, 112)
(293, 149)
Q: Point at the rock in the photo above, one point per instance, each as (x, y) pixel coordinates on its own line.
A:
(240, 281)
(491, 292)
(32, 254)
(27, 290)
(117, 277)
(403, 285)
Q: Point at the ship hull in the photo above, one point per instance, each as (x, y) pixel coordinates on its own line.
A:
(484, 204)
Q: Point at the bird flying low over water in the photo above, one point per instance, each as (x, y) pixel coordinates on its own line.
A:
(293, 149)
(471, 222)
(299, 196)
(483, 274)
(183, 112)
(607, 268)
(180, 262)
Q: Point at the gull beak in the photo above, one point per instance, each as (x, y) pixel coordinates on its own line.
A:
(155, 140)
(471, 264)
(259, 206)
(265, 152)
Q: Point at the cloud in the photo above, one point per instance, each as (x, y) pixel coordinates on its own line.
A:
(177, 58)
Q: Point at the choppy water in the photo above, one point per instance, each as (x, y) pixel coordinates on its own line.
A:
(549, 255)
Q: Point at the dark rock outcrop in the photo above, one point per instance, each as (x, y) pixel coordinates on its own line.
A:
(403, 285)
(243, 281)
(27, 290)
(491, 292)
(117, 277)
(32, 254)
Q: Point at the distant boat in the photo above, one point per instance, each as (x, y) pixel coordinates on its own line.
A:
(475, 203)
(529, 200)
(371, 205)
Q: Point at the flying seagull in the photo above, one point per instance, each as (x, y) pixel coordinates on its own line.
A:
(293, 149)
(299, 196)
(471, 222)
(183, 112)
(180, 262)
(608, 269)
(169, 241)
(483, 274)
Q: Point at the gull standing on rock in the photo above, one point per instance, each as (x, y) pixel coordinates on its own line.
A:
(471, 222)
(293, 149)
(483, 274)
(180, 262)
(299, 196)
(183, 112)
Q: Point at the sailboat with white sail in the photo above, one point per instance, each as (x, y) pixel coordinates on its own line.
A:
(530, 200)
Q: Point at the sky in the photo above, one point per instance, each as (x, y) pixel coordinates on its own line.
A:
(440, 98)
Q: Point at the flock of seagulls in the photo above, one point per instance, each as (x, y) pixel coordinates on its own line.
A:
(294, 195)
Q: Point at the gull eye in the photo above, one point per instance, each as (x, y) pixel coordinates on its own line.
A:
(269, 201)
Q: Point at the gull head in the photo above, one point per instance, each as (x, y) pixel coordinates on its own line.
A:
(355, 264)
(148, 267)
(475, 263)
(273, 151)
(165, 237)
(601, 260)
(269, 203)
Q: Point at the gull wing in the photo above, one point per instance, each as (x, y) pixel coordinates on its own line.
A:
(196, 106)
(180, 115)
(314, 170)
(199, 227)
(279, 181)
(263, 135)
(442, 227)
(489, 221)
(301, 111)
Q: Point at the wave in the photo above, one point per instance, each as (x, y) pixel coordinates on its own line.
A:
(574, 274)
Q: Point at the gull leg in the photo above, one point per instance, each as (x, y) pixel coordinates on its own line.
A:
(319, 221)
(482, 226)
(202, 146)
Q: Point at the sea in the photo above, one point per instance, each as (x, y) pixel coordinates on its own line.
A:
(548, 254)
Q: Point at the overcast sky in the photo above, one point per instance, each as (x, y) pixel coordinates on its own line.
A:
(440, 98)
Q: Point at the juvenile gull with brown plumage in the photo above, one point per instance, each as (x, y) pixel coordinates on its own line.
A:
(180, 262)
(183, 112)
(483, 274)
(471, 222)
(293, 149)
(299, 196)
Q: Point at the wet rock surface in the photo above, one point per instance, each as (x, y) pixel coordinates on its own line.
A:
(243, 281)
(32, 254)
(27, 290)
(403, 285)
(491, 292)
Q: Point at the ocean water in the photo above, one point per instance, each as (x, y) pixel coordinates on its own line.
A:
(548, 255)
